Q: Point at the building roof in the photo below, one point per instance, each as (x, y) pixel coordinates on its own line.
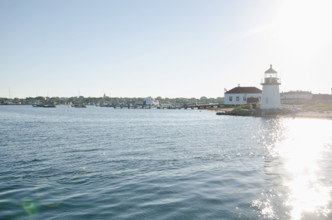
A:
(244, 90)
(271, 70)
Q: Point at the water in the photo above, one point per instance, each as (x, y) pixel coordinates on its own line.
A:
(101, 163)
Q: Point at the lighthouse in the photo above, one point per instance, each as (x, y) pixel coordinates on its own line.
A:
(270, 93)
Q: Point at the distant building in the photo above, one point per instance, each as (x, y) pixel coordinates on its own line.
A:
(242, 95)
(149, 101)
(270, 94)
(296, 97)
(322, 98)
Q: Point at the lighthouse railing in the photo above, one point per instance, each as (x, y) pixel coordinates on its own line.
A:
(271, 80)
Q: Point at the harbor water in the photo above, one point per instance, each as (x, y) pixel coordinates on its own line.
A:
(105, 163)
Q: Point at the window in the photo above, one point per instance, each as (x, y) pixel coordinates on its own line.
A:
(266, 100)
(244, 98)
(237, 98)
(230, 98)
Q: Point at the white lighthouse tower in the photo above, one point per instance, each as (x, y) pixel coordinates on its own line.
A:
(270, 94)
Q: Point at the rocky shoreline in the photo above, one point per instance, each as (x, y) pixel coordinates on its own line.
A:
(284, 112)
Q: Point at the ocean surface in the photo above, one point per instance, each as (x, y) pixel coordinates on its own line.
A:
(103, 163)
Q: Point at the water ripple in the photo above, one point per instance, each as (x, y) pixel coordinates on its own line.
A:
(101, 163)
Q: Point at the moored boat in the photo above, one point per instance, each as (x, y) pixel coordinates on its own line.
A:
(78, 105)
(44, 105)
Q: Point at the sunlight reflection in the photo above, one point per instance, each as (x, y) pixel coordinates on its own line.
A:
(266, 208)
(301, 152)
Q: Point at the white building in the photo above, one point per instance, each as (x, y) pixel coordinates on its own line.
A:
(149, 101)
(295, 97)
(270, 95)
(240, 95)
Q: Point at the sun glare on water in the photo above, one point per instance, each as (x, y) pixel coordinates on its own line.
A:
(301, 153)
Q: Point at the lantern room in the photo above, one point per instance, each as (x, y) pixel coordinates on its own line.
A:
(271, 77)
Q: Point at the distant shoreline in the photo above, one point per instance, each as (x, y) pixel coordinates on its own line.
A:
(301, 112)
(298, 114)
(312, 114)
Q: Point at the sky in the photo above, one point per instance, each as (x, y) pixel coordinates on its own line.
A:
(167, 48)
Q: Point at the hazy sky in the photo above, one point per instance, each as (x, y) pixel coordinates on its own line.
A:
(168, 48)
